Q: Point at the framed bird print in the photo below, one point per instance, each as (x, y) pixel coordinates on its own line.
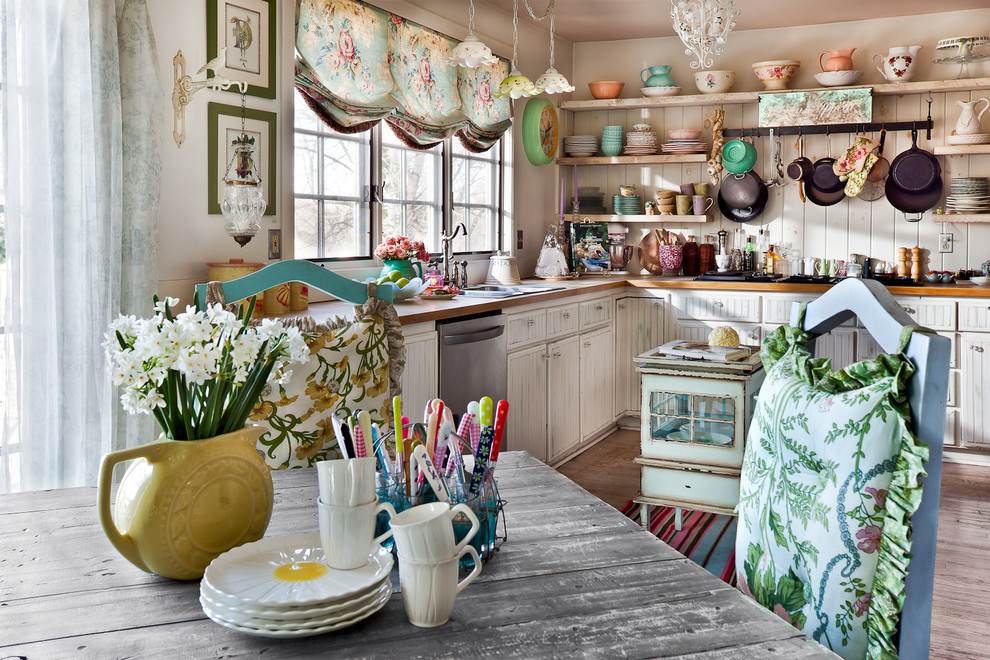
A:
(240, 36)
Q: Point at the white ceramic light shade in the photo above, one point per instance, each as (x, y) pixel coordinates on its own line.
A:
(471, 53)
(552, 82)
(516, 86)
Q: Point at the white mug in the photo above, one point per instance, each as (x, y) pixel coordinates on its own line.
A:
(811, 266)
(796, 266)
(347, 481)
(426, 532)
(346, 532)
(429, 588)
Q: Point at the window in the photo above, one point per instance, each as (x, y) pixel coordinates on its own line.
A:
(337, 174)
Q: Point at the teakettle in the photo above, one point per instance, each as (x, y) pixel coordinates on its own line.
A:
(659, 76)
(969, 120)
(838, 60)
(897, 65)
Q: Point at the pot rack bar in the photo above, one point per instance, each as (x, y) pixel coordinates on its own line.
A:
(823, 129)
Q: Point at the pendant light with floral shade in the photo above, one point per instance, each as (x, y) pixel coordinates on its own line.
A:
(552, 82)
(471, 52)
(516, 85)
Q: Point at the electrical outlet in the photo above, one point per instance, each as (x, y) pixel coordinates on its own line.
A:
(945, 242)
(519, 239)
(274, 243)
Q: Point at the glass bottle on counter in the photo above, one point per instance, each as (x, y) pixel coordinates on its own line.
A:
(736, 255)
(749, 256)
(771, 261)
(706, 254)
(690, 263)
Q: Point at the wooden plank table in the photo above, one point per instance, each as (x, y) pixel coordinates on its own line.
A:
(575, 578)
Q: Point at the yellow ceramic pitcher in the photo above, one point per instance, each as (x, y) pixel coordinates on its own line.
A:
(183, 503)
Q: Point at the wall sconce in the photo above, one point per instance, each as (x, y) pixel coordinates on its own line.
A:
(185, 87)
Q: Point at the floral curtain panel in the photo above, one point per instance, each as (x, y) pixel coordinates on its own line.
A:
(358, 65)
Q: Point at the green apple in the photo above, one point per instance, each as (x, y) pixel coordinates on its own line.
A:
(402, 283)
(382, 280)
(395, 276)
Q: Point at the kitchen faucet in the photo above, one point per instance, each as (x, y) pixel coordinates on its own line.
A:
(448, 253)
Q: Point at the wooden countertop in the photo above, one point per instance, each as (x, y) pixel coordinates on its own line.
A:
(416, 310)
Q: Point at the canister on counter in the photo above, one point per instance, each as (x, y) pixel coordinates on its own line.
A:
(298, 297)
(277, 299)
(233, 269)
(706, 255)
(690, 264)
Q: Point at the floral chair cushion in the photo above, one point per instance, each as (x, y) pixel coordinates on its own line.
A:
(829, 483)
(348, 369)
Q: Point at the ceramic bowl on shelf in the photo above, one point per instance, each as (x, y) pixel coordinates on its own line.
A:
(606, 89)
(775, 74)
(684, 133)
(714, 82)
(838, 78)
(659, 91)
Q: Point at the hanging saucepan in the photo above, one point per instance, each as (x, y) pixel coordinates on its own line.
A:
(801, 168)
(744, 214)
(914, 170)
(876, 179)
(823, 178)
(914, 203)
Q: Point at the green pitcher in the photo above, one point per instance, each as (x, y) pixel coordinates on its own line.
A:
(404, 266)
(659, 76)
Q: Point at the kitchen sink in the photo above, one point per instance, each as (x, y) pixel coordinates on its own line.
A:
(504, 290)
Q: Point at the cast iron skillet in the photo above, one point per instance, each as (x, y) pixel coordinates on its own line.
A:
(824, 179)
(816, 196)
(741, 190)
(914, 202)
(914, 170)
(744, 214)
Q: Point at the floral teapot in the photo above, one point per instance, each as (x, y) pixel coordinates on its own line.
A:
(969, 120)
(897, 66)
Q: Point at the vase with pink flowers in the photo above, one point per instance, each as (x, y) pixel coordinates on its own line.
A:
(398, 252)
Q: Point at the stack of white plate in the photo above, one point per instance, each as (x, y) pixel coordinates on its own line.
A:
(973, 138)
(968, 195)
(282, 587)
(581, 146)
(640, 143)
(684, 147)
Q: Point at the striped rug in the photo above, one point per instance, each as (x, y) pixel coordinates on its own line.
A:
(707, 539)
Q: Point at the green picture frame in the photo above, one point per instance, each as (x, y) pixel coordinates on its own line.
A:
(225, 120)
(248, 29)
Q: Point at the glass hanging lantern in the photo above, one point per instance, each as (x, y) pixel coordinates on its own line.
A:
(243, 201)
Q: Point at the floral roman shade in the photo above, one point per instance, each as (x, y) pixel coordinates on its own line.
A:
(358, 64)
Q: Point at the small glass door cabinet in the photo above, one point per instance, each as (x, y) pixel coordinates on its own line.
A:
(694, 419)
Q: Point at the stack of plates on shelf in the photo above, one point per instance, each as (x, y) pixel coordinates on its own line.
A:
(282, 587)
(968, 195)
(973, 138)
(684, 146)
(581, 146)
(627, 204)
(591, 200)
(640, 143)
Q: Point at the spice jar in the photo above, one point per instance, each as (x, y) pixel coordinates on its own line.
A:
(690, 261)
(706, 255)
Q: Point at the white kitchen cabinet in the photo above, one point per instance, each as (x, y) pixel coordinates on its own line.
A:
(420, 379)
(839, 345)
(563, 420)
(639, 324)
(595, 312)
(524, 328)
(716, 306)
(562, 321)
(975, 386)
(597, 381)
(527, 392)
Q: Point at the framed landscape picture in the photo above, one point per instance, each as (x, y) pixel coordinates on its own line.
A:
(247, 29)
(224, 128)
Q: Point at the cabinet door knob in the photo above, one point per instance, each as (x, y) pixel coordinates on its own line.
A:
(909, 310)
(718, 303)
(556, 354)
(622, 305)
(978, 349)
(530, 322)
(587, 344)
(599, 307)
(567, 315)
(545, 356)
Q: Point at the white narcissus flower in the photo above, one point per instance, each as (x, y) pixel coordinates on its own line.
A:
(160, 305)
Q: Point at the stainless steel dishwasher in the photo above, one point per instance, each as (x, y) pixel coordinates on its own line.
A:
(472, 360)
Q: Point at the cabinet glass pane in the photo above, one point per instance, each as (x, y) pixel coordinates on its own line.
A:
(668, 403)
(714, 407)
(673, 429)
(713, 433)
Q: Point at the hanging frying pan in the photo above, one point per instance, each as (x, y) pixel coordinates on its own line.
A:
(913, 204)
(914, 170)
(823, 178)
(744, 214)
(816, 196)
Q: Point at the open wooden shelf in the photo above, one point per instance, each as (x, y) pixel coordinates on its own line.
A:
(653, 159)
(951, 149)
(961, 217)
(729, 98)
(633, 219)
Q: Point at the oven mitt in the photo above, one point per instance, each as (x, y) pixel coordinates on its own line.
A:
(855, 157)
(856, 180)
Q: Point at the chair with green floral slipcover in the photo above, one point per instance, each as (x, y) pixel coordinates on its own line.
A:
(837, 517)
(354, 363)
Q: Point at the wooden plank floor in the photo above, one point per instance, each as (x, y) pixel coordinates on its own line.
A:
(960, 625)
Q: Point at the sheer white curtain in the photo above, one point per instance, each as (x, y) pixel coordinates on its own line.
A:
(83, 177)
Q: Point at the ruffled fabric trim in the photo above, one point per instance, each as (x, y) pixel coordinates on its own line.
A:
(904, 497)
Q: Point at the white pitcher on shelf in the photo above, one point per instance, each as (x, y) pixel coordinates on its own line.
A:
(969, 119)
(898, 64)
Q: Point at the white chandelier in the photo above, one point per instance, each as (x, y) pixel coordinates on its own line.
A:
(703, 26)
(471, 52)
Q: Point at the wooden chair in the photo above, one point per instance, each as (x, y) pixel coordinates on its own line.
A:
(297, 270)
(876, 309)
